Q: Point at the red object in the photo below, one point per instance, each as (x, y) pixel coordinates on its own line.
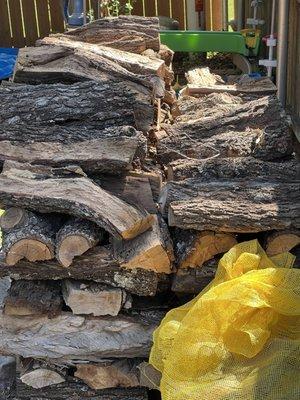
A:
(265, 38)
(199, 5)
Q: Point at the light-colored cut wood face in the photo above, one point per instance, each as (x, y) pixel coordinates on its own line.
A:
(29, 249)
(282, 243)
(71, 247)
(11, 217)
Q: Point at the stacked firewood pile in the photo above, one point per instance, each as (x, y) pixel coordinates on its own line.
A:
(119, 201)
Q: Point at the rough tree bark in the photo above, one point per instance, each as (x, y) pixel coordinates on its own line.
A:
(96, 265)
(113, 155)
(75, 238)
(130, 33)
(71, 113)
(135, 63)
(73, 389)
(223, 169)
(232, 206)
(33, 298)
(19, 186)
(227, 126)
(68, 338)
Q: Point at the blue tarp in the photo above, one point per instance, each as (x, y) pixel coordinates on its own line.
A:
(8, 59)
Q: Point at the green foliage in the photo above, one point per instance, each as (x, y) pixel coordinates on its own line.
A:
(114, 8)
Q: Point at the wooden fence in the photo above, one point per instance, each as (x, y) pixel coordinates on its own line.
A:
(24, 21)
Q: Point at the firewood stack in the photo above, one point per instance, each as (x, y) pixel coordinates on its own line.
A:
(119, 201)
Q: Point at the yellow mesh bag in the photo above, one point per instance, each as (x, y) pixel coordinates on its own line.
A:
(239, 339)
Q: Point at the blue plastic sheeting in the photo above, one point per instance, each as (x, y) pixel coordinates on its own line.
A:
(8, 59)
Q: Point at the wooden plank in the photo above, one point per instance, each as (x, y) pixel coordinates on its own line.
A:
(178, 12)
(95, 8)
(16, 23)
(150, 10)
(43, 18)
(57, 21)
(163, 8)
(5, 35)
(138, 8)
(30, 22)
(217, 21)
(208, 19)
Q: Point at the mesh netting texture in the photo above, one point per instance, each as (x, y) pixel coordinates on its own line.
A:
(239, 339)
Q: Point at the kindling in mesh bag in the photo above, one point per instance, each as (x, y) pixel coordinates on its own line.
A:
(239, 339)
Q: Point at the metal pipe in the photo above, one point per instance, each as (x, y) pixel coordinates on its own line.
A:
(282, 49)
(271, 48)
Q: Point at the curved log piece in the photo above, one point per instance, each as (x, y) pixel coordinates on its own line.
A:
(130, 33)
(223, 169)
(227, 126)
(97, 265)
(13, 217)
(240, 206)
(281, 242)
(193, 248)
(22, 185)
(33, 240)
(33, 298)
(75, 238)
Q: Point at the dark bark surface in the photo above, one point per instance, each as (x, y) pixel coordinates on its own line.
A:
(223, 169)
(130, 33)
(227, 126)
(97, 264)
(74, 389)
(71, 113)
(241, 206)
(34, 297)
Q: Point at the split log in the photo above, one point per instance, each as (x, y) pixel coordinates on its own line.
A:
(19, 186)
(75, 238)
(34, 240)
(134, 188)
(104, 155)
(5, 284)
(194, 280)
(121, 373)
(281, 242)
(73, 389)
(96, 265)
(130, 33)
(33, 298)
(232, 206)
(202, 81)
(193, 248)
(13, 218)
(59, 64)
(68, 338)
(222, 169)
(72, 113)
(166, 54)
(227, 126)
(41, 378)
(153, 250)
(8, 374)
(136, 63)
(93, 298)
